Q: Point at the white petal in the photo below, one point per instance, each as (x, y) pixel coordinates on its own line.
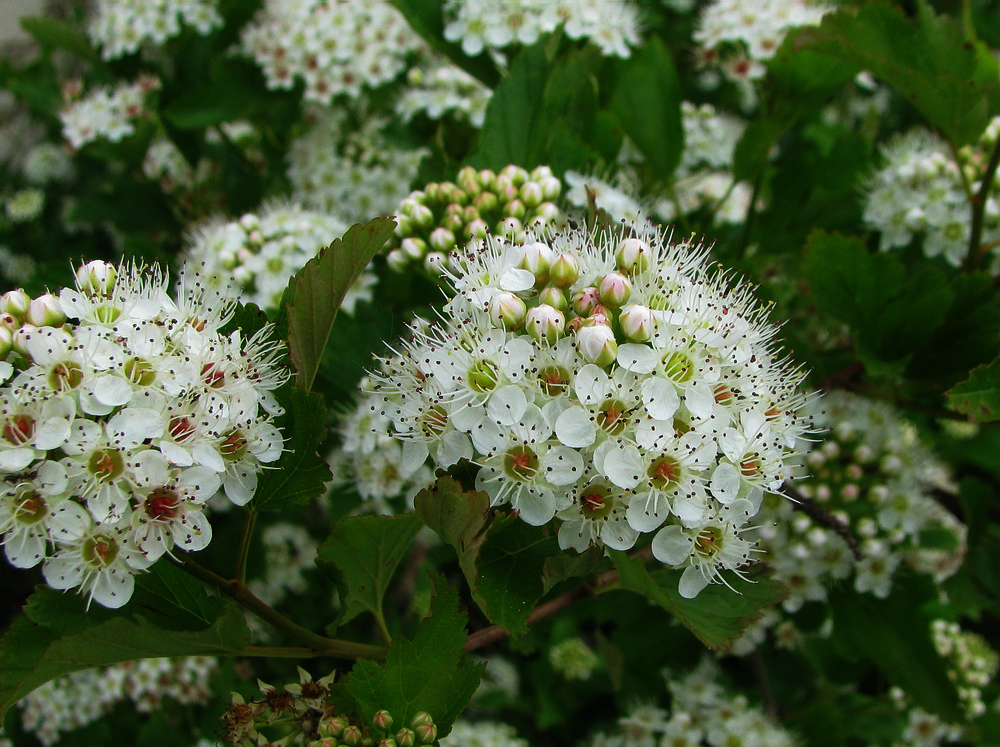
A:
(624, 466)
(15, 460)
(536, 506)
(515, 279)
(196, 532)
(691, 583)
(647, 511)
(561, 466)
(640, 359)
(700, 400)
(592, 385)
(453, 447)
(415, 453)
(63, 572)
(725, 485)
(671, 545)
(113, 588)
(618, 535)
(52, 433)
(507, 405)
(576, 428)
(24, 551)
(660, 398)
(112, 390)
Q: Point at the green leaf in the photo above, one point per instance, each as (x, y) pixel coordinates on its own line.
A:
(318, 290)
(54, 34)
(223, 97)
(927, 59)
(717, 616)
(892, 633)
(647, 99)
(559, 568)
(890, 314)
(425, 674)
(978, 396)
(362, 554)
(459, 518)
(59, 636)
(426, 18)
(300, 474)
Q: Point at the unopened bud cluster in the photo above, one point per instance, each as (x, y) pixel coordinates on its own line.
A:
(254, 257)
(972, 664)
(124, 411)
(443, 218)
(873, 478)
(318, 723)
(614, 383)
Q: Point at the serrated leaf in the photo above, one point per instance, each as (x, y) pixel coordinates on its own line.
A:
(362, 554)
(31, 654)
(426, 18)
(300, 474)
(892, 633)
(559, 568)
(891, 315)
(647, 100)
(927, 59)
(425, 674)
(717, 616)
(978, 397)
(318, 290)
(459, 517)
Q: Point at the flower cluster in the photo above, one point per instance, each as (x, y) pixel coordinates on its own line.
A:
(166, 165)
(573, 659)
(255, 256)
(125, 411)
(702, 712)
(614, 196)
(24, 205)
(920, 191)
(619, 385)
(371, 461)
(482, 734)
(77, 699)
(47, 163)
(335, 48)
(443, 90)
(972, 664)
(107, 113)
(613, 25)
(351, 172)
(120, 26)
(873, 478)
(443, 218)
(739, 38)
(305, 704)
(923, 729)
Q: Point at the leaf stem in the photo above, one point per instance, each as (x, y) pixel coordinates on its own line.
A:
(244, 551)
(319, 645)
(976, 250)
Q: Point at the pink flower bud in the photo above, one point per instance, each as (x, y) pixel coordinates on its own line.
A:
(442, 239)
(614, 289)
(554, 297)
(96, 278)
(397, 260)
(565, 270)
(15, 303)
(585, 300)
(45, 311)
(515, 209)
(597, 344)
(551, 187)
(546, 324)
(422, 216)
(637, 323)
(531, 194)
(477, 229)
(632, 256)
(414, 249)
(543, 214)
(514, 174)
(333, 726)
(507, 311)
(352, 736)
(406, 737)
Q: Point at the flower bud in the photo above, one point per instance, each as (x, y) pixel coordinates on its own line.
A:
(45, 311)
(632, 256)
(486, 202)
(435, 262)
(565, 270)
(406, 737)
(421, 717)
(597, 344)
(515, 209)
(333, 726)
(404, 226)
(545, 324)
(554, 297)
(515, 174)
(413, 248)
(453, 220)
(426, 732)
(487, 179)
(442, 239)
(544, 214)
(96, 278)
(541, 172)
(20, 337)
(477, 229)
(397, 260)
(352, 736)
(585, 300)
(6, 342)
(433, 193)
(422, 216)
(536, 258)
(469, 213)
(637, 323)
(323, 742)
(15, 303)
(614, 289)
(508, 311)
(468, 182)
(551, 187)
(382, 720)
(531, 194)
(510, 227)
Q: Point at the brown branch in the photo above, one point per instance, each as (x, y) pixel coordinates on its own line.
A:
(764, 683)
(822, 516)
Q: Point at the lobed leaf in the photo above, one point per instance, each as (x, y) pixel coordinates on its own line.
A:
(978, 396)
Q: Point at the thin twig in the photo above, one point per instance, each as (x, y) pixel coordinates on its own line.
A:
(764, 682)
(822, 516)
(244, 551)
(976, 250)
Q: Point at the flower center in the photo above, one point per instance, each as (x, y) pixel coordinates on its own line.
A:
(31, 507)
(65, 376)
(611, 416)
(140, 372)
(19, 429)
(750, 467)
(664, 473)
(106, 464)
(483, 376)
(181, 429)
(162, 504)
(553, 380)
(233, 446)
(434, 421)
(678, 367)
(723, 394)
(707, 543)
(596, 501)
(213, 375)
(100, 551)
(106, 313)
(521, 463)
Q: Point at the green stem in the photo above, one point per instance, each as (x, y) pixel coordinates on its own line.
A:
(976, 250)
(320, 645)
(244, 551)
(383, 629)
(281, 652)
(751, 214)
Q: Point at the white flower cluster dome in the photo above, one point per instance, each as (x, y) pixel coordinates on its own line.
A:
(351, 172)
(617, 385)
(336, 48)
(613, 25)
(107, 113)
(120, 26)
(920, 192)
(124, 412)
(442, 90)
(972, 664)
(254, 257)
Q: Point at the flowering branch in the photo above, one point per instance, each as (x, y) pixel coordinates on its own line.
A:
(822, 516)
(317, 644)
